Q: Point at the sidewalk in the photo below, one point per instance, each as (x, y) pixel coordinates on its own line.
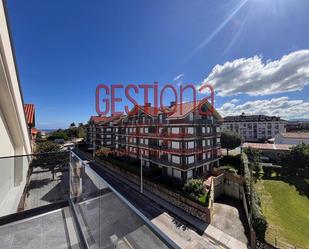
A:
(207, 229)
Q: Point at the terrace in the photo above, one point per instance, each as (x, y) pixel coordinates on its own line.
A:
(66, 204)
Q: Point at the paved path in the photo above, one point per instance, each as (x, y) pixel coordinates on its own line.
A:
(229, 217)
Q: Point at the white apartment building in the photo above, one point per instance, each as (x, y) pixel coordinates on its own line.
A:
(14, 136)
(292, 138)
(253, 128)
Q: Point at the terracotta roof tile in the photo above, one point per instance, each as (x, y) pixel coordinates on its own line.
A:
(264, 146)
(30, 114)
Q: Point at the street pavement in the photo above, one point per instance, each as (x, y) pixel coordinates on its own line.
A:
(176, 229)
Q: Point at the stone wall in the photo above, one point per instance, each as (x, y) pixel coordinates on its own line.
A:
(195, 209)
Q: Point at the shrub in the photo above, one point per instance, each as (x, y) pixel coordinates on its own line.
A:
(259, 222)
(47, 146)
(194, 188)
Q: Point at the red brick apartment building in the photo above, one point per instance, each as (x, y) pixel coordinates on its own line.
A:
(183, 144)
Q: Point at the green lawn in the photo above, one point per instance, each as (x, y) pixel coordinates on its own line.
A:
(286, 210)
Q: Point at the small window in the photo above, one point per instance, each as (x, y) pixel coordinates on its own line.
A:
(176, 159)
(176, 173)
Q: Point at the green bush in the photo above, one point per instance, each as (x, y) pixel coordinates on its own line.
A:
(259, 222)
(47, 146)
(194, 188)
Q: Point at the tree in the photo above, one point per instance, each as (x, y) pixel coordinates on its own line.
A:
(230, 140)
(47, 146)
(255, 159)
(72, 125)
(194, 188)
(297, 159)
(59, 134)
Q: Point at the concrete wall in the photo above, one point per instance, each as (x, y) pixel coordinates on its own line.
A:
(14, 137)
(228, 184)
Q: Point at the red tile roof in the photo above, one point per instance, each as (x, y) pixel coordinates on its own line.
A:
(30, 114)
(104, 119)
(34, 131)
(261, 146)
(183, 109)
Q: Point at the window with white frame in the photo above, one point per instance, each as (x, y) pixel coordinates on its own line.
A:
(208, 155)
(176, 159)
(218, 140)
(191, 145)
(203, 129)
(175, 145)
(189, 174)
(108, 129)
(146, 130)
(176, 173)
(175, 130)
(146, 141)
(208, 142)
(218, 129)
(142, 140)
(204, 156)
(190, 130)
(190, 159)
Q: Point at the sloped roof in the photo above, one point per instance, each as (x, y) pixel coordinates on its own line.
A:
(30, 113)
(251, 118)
(183, 109)
(264, 146)
(104, 119)
(296, 135)
(34, 131)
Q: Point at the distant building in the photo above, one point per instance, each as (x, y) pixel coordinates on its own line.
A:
(293, 138)
(296, 126)
(271, 151)
(254, 128)
(101, 132)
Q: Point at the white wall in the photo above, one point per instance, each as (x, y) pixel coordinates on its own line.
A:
(14, 137)
(279, 139)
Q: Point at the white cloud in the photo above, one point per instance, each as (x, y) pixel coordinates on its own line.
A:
(282, 107)
(234, 100)
(252, 76)
(179, 79)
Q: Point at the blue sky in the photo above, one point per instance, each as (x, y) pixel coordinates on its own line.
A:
(64, 49)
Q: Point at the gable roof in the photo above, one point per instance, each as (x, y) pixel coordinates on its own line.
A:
(263, 146)
(183, 109)
(104, 119)
(30, 114)
(296, 135)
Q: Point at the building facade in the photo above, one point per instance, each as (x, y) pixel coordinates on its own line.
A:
(101, 132)
(14, 136)
(184, 144)
(293, 138)
(254, 128)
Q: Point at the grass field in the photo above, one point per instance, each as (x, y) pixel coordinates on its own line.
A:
(285, 204)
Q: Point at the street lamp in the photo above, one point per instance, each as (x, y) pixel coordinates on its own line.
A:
(141, 173)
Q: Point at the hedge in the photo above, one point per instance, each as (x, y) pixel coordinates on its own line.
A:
(259, 222)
